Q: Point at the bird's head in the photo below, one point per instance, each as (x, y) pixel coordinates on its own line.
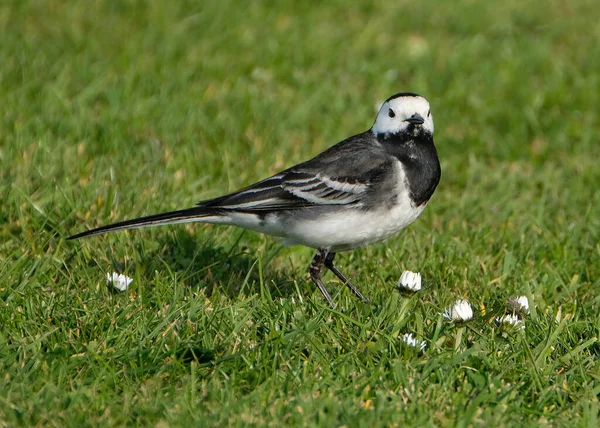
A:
(403, 113)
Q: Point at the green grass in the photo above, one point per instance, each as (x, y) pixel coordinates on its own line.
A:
(116, 109)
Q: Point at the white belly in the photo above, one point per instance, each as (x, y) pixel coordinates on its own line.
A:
(352, 228)
(346, 230)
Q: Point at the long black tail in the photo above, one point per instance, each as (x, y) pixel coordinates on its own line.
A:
(181, 216)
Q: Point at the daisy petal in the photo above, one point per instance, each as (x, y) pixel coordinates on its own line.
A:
(460, 311)
(410, 281)
(119, 281)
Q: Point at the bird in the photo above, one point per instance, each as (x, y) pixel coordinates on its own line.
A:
(359, 191)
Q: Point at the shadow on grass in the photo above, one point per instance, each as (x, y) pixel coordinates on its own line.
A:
(235, 271)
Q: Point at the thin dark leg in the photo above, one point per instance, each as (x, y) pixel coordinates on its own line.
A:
(315, 272)
(329, 265)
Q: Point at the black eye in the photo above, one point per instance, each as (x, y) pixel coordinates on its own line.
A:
(429, 113)
(391, 113)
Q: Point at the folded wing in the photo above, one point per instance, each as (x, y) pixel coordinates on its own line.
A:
(342, 175)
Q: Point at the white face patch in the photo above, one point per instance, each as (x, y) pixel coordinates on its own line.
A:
(393, 115)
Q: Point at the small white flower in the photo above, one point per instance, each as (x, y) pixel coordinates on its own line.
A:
(119, 281)
(461, 311)
(410, 281)
(519, 304)
(410, 340)
(511, 320)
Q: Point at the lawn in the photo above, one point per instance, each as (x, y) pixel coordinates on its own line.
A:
(117, 109)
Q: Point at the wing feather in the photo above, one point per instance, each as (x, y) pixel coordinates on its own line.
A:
(341, 175)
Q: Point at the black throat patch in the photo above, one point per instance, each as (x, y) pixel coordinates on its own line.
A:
(418, 156)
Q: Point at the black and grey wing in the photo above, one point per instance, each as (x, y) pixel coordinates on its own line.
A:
(342, 175)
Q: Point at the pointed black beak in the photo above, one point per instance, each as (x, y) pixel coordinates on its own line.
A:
(416, 119)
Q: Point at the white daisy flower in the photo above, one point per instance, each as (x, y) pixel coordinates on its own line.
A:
(410, 281)
(519, 304)
(460, 311)
(511, 320)
(118, 280)
(410, 340)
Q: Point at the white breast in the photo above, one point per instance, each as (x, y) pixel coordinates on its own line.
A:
(351, 228)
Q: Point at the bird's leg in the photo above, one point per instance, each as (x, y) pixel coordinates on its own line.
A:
(315, 272)
(329, 264)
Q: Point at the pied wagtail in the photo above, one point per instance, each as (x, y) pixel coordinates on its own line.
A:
(360, 191)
